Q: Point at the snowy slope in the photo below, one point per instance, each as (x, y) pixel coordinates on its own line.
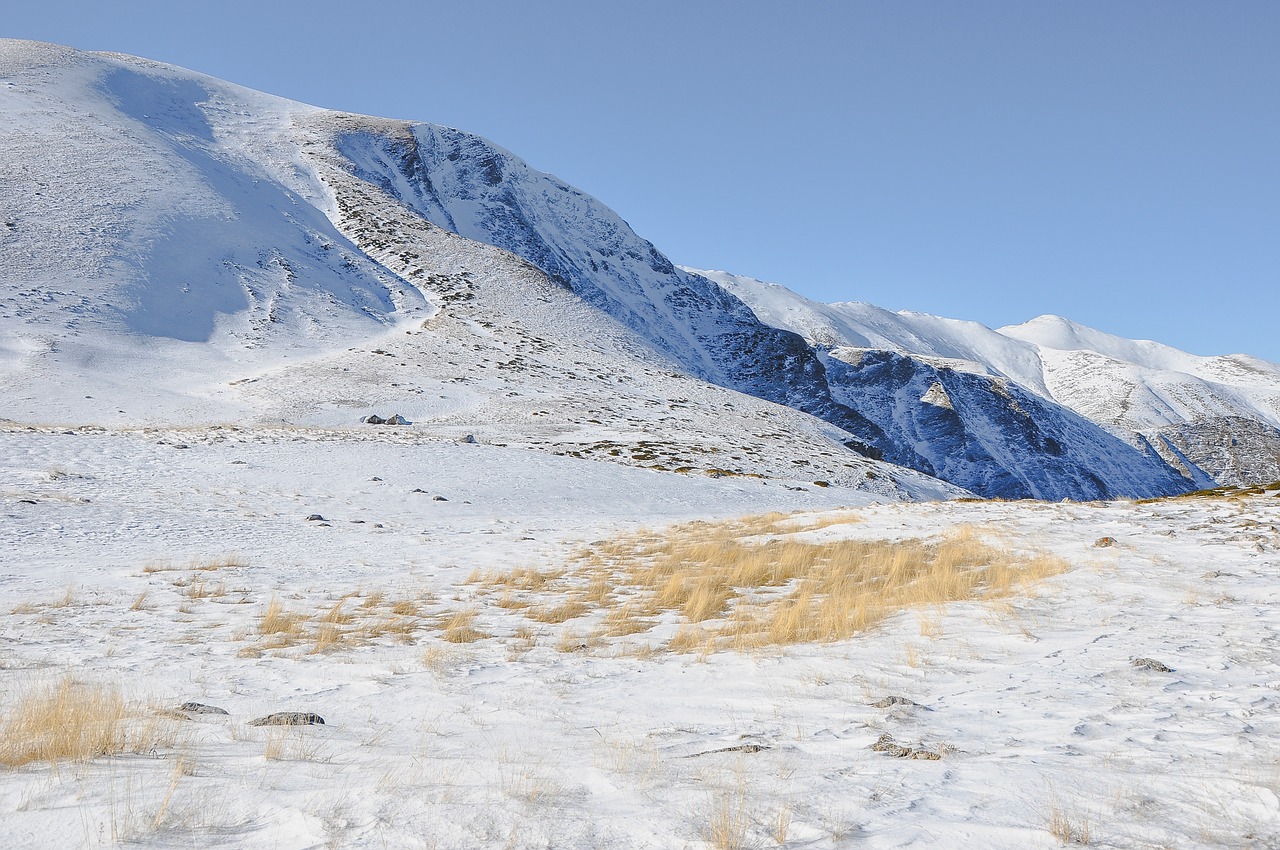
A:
(188, 251)
(244, 258)
(472, 187)
(133, 564)
(1177, 401)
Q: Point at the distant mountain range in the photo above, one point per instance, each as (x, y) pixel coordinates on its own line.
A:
(176, 249)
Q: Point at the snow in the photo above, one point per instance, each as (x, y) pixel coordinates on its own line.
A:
(1033, 701)
(1133, 384)
(200, 301)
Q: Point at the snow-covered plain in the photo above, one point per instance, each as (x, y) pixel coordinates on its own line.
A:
(529, 739)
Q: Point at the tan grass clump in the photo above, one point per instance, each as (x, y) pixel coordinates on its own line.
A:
(459, 627)
(556, 613)
(74, 721)
(769, 580)
(276, 620)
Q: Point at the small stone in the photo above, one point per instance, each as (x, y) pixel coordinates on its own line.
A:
(396, 419)
(375, 478)
(315, 518)
(886, 744)
(439, 499)
(374, 419)
(1151, 664)
(289, 718)
(470, 438)
(890, 701)
(1104, 542)
(201, 708)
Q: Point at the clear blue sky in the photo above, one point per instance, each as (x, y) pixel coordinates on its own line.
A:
(1117, 163)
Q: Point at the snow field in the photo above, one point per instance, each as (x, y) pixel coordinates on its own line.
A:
(151, 571)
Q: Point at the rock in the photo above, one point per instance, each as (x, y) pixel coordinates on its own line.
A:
(201, 708)
(374, 419)
(890, 701)
(1104, 542)
(1151, 664)
(738, 748)
(289, 718)
(470, 438)
(172, 714)
(886, 744)
(315, 518)
(439, 499)
(375, 478)
(396, 419)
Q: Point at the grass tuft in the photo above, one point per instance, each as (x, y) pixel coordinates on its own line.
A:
(77, 722)
(768, 580)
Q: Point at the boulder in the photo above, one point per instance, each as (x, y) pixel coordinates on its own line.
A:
(289, 718)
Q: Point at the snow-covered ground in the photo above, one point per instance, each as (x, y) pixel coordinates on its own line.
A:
(529, 739)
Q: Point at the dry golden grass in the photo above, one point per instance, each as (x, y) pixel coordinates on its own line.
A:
(764, 581)
(571, 640)
(197, 564)
(728, 821)
(558, 613)
(459, 627)
(201, 589)
(278, 621)
(626, 619)
(72, 721)
(510, 601)
(522, 578)
(1069, 827)
(405, 608)
(341, 625)
(441, 658)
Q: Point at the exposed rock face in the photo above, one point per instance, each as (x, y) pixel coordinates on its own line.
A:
(466, 184)
(1232, 450)
(988, 434)
(1003, 443)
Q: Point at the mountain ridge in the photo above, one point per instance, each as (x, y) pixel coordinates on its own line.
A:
(1143, 391)
(241, 242)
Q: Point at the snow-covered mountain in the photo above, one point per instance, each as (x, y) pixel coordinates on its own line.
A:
(1213, 418)
(176, 249)
(179, 250)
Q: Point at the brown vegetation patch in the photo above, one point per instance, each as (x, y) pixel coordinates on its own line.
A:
(767, 580)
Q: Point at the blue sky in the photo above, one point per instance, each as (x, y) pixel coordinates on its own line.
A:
(1113, 162)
